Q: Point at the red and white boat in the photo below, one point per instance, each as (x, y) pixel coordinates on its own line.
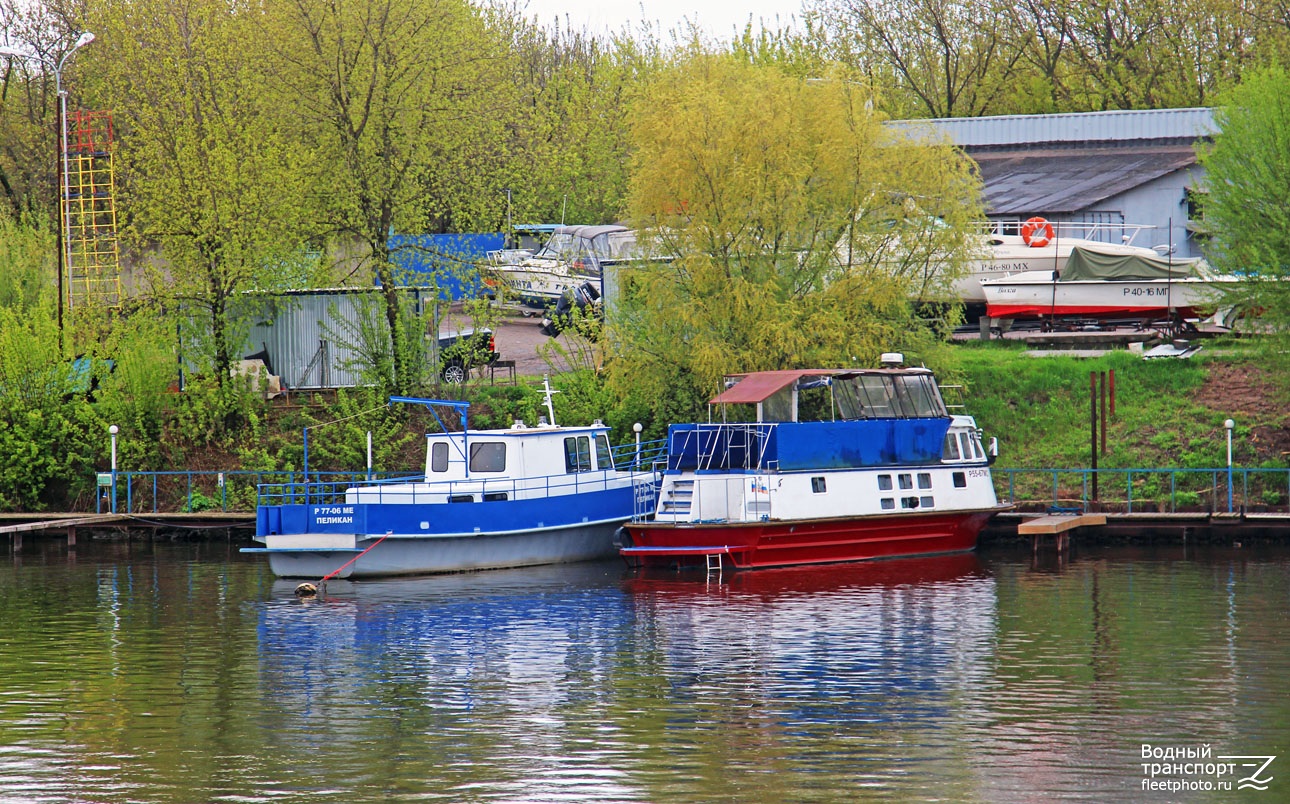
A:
(1039, 245)
(1099, 285)
(888, 472)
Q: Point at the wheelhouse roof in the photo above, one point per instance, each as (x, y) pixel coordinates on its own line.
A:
(758, 386)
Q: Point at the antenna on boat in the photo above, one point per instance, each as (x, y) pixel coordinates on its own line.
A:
(547, 392)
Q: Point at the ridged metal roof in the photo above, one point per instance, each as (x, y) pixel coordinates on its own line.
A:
(1054, 181)
(1035, 129)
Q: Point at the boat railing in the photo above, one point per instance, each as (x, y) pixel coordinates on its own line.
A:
(640, 456)
(628, 460)
(723, 446)
(1101, 231)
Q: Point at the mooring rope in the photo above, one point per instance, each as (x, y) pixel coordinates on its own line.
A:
(342, 567)
(347, 418)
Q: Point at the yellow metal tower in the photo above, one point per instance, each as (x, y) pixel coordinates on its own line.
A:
(89, 207)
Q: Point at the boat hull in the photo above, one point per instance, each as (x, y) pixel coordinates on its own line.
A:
(400, 554)
(804, 541)
(365, 540)
(1098, 299)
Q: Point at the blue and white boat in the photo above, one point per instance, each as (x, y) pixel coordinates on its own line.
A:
(522, 496)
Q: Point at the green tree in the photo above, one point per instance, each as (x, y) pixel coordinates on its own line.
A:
(802, 227)
(1247, 183)
(950, 59)
(212, 175)
(397, 98)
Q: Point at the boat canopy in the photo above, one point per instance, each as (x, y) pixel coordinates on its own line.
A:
(1086, 264)
(749, 389)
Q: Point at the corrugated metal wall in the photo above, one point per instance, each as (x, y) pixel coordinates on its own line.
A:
(312, 337)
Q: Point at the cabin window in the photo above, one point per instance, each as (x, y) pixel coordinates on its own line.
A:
(952, 447)
(960, 480)
(926, 502)
(817, 485)
(967, 445)
(976, 447)
(495, 496)
(453, 498)
(577, 454)
(906, 481)
(604, 458)
(888, 503)
(439, 457)
(488, 456)
(924, 480)
(884, 482)
(908, 502)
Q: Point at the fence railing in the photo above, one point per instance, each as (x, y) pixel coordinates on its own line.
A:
(1132, 491)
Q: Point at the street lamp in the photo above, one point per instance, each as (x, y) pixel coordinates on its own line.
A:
(1229, 424)
(64, 192)
(112, 431)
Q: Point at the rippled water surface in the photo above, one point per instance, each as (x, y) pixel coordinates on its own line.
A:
(186, 673)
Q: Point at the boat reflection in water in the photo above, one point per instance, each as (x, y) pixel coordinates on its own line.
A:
(821, 651)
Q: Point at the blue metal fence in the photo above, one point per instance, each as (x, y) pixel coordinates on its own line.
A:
(1148, 490)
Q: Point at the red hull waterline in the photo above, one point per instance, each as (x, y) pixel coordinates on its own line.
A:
(805, 541)
(1083, 311)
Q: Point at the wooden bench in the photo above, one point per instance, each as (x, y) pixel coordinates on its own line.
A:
(504, 365)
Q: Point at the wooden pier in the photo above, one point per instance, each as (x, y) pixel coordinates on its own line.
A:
(1058, 525)
(16, 525)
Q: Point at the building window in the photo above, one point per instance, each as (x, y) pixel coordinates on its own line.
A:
(817, 485)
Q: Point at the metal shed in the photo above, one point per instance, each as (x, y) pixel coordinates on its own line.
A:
(313, 339)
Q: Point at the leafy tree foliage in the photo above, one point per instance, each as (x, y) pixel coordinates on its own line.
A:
(212, 177)
(801, 227)
(1245, 210)
(392, 94)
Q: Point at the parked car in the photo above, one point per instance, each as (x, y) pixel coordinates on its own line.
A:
(580, 300)
(460, 351)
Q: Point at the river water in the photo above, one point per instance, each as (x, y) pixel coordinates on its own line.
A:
(184, 672)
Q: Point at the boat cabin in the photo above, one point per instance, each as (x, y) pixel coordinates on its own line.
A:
(521, 451)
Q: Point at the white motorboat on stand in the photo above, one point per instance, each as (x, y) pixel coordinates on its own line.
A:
(1099, 286)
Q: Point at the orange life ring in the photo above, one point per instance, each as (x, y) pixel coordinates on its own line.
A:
(1037, 232)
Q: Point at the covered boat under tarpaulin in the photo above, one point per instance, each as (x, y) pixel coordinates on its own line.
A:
(1084, 264)
(1110, 287)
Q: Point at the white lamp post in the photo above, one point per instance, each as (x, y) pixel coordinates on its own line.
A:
(1229, 424)
(112, 431)
(64, 192)
(636, 428)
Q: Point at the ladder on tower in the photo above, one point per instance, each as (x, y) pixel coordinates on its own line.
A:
(93, 270)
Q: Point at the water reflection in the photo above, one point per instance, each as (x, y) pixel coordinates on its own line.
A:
(182, 673)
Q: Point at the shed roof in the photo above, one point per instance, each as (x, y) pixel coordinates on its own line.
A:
(1066, 180)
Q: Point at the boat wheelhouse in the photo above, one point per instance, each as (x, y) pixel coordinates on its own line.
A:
(884, 471)
(488, 499)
